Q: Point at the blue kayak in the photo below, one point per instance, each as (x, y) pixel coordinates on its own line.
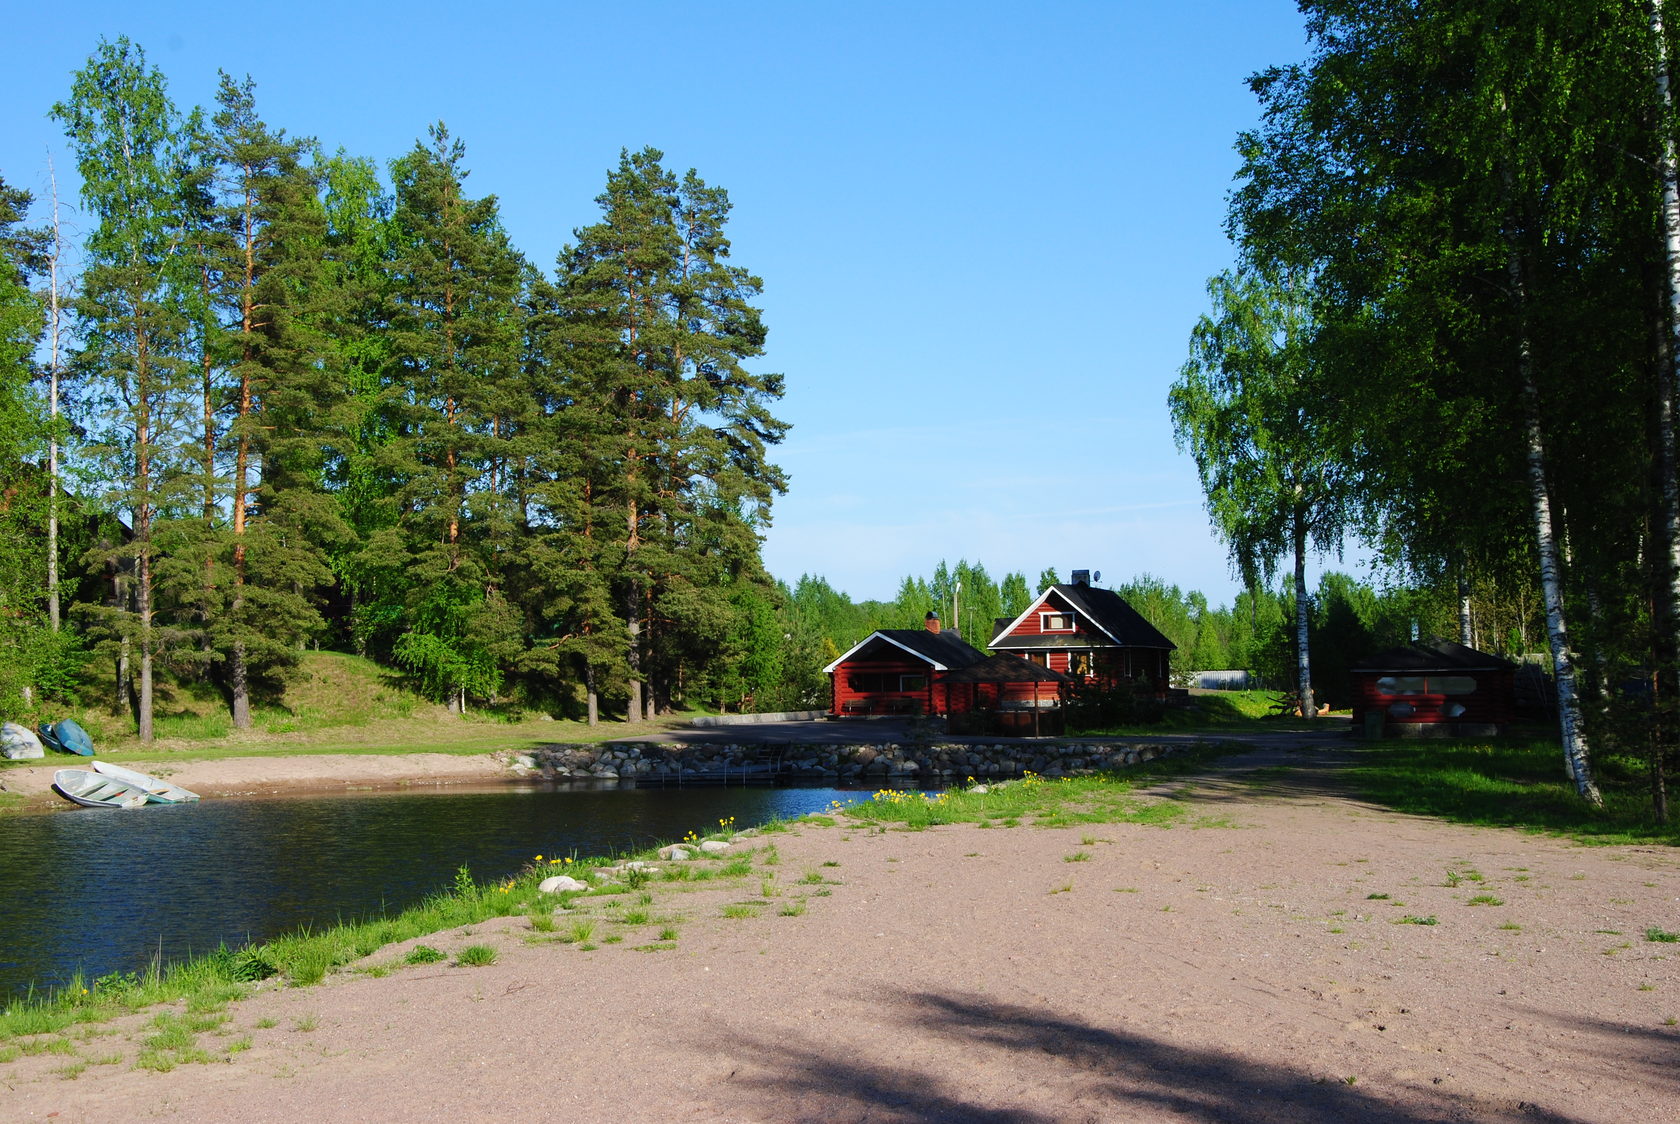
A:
(67, 737)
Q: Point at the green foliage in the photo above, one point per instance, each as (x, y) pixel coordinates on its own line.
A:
(1510, 784)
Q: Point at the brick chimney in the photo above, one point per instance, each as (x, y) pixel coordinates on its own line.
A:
(932, 621)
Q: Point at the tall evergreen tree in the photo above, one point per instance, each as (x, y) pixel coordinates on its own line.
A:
(658, 327)
(133, 314)
(276, 301)
(454, 325)
(23, 480)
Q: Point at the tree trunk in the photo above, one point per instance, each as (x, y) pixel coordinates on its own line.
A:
(1668, 391)
(1466, 634)
(56, 314)
(594, 700)
(1303, 615)
(1575, 750)
(633, 650)
(239, 686)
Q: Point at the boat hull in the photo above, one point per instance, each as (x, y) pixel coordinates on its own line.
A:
(91, 790)
(157, 791)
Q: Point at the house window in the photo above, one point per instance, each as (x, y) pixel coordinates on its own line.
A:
(876, 682)
(1039, 658)
(1055, 622)
(1079, 663)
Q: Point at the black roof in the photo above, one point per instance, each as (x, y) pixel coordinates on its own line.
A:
(945, 648)
(1005, 668)
(1433, 655)
(1108, 611)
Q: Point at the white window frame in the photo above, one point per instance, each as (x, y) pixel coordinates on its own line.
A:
(1044, 622)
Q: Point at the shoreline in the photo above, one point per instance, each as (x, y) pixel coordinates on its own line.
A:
(1280, 951)
(277, 775)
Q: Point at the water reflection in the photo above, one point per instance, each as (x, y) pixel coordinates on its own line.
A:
(109, 891)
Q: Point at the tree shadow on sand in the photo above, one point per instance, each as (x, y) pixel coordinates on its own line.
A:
(1089, 1073)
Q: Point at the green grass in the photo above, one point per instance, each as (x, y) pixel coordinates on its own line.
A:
(1510, 783)
(1105, 798)
(476, 956)
(336, 703)
(1661, 936)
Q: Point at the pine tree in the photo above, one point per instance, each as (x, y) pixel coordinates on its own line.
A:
(658, 327)
(455, 334)
(275, 300)
(133, 315)
(23, 479)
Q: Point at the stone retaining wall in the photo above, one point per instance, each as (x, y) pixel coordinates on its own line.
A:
(935, 763)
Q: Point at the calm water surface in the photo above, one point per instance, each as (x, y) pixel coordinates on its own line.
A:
(104, 891)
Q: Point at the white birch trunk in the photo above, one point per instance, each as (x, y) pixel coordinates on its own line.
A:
(1303, 664)
(1575, 751)
(1466, 633)
(1668, 378)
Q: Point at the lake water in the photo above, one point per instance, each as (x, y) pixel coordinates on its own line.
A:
(104, 891)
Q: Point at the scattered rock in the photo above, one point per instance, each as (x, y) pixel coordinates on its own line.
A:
(676, 853)
(560, 884)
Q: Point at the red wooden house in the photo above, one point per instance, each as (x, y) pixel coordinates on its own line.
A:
(931, 671)
(1089, 633)
(1435, 687)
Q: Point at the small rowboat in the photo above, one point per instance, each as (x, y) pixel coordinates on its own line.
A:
(157, 791)
(67, 737)
(90, 790)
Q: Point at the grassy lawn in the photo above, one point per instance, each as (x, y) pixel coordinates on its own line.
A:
(338, 703)
(1516, 783)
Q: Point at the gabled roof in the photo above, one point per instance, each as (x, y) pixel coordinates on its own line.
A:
(943, 650)
(1105, 611)
(1005, 668)
(1433, 655)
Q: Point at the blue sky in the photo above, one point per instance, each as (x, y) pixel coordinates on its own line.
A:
(984, 229)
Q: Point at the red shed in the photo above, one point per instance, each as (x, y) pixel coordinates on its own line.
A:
(1433, 688)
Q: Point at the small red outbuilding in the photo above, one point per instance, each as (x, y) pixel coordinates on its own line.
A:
(1433, 688)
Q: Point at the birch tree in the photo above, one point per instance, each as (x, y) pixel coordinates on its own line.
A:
(1243, 406)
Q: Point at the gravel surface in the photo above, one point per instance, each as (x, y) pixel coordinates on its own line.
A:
(1253, 962)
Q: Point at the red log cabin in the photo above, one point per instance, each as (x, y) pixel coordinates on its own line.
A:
(1089, 633)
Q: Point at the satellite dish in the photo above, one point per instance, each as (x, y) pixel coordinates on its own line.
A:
(1096, 576)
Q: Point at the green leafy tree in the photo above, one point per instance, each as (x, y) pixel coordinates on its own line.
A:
(1272, 474)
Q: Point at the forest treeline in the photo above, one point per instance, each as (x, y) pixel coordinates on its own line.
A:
(1452, 332)
(278, 397)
